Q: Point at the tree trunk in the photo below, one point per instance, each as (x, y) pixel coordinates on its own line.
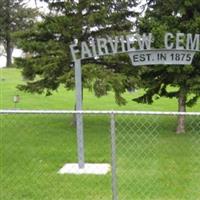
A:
(9, 51)
(181, 108)
(8, 42)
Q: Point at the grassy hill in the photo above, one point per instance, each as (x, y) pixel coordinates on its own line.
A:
(63, 99)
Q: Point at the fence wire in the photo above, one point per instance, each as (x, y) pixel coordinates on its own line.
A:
(154, 162)
(149, 160)
(34, 147)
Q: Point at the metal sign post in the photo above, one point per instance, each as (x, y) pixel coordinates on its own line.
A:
(79, 117)
(178, 52)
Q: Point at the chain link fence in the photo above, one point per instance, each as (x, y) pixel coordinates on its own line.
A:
(153, 161)
(149, 160)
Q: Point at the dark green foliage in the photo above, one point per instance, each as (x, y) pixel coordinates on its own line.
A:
(48, 62)
(171, 16)
(14, 16)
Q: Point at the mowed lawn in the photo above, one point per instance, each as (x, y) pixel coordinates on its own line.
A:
(63, 99)
(152, 161)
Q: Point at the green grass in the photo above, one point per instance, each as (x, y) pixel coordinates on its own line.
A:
(63, 99)
(32, 156)
(153, 163)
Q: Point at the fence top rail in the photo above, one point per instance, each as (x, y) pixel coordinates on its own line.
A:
(96, 112)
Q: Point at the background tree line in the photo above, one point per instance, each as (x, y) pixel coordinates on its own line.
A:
(14, 16)
(48, 60)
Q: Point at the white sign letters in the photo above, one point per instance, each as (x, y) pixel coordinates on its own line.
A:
(179, 48)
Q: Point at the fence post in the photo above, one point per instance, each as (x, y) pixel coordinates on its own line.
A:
(79, 117)
(113, 151)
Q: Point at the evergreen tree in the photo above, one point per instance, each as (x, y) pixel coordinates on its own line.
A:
(14, 16)
(172, 16)
(49, 63)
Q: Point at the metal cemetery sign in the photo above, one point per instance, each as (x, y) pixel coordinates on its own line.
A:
(179, 49)
(162, 57)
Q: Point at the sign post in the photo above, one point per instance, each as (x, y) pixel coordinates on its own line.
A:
(179, 49)
(81, 167)
(79, 117)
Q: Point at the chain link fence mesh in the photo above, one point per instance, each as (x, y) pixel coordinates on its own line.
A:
(152, 161)
(34, 148)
